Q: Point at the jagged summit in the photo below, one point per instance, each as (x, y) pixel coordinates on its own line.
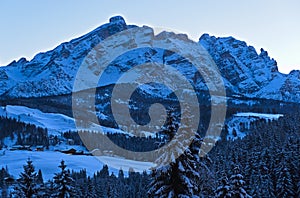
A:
(117, 19)
(244, 71)
(20, 61)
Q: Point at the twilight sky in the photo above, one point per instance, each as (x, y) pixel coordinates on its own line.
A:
(32, 26)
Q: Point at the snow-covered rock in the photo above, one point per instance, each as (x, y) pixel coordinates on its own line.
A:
(244, 71)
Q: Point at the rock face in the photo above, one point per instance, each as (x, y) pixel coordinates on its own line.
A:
(250, 74)
(244, 72)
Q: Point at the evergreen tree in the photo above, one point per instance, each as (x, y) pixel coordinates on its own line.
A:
(265, 182)
(40, 177)
(284, 184)
(112, 186)
(91, 193)
(179, 178)
(4, 193)
(49, 189)
(27, 186)
(121, 176)
(63, 183)
(104, 173)
(237, 185)
(224, 190)
(3, 174)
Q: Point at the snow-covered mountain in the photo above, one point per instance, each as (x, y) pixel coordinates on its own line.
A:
(53, 72)
(250, 74)
(245, 73)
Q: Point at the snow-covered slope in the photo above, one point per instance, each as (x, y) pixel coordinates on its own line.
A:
(244, 72)
(55, 123)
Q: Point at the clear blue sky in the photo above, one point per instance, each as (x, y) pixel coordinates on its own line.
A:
(31, 26)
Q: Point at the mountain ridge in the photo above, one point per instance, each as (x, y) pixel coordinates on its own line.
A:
(244, 72)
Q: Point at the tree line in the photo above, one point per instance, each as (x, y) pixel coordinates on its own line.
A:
(265, 163)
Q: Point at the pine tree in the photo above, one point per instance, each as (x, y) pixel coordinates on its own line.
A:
(27, 186)
(3, 174)
(49, 189)
(104, 172)
(4, 193)
(237, 185)
(121, 176)
(265, 181)
(121, 184)
(178, 177)
(284, 184)
(91, 193)
(63, 183)
(40, 177)
(224, 190)
(112, 186)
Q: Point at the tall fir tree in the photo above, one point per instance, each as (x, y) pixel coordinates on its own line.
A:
(27, 186)
(49, 188)
(91, 193)
(237, 184)
(40, 179)
(224, 189)
(63, 183)
(284, 184)
(4, 192)
(178, 177)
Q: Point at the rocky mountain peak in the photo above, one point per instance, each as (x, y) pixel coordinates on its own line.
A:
(244, 71)
(295, 73)
(117, 19)
(240, 64)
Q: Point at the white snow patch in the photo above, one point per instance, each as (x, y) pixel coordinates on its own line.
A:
(259, 115)
(241, 122)
(48, 162)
